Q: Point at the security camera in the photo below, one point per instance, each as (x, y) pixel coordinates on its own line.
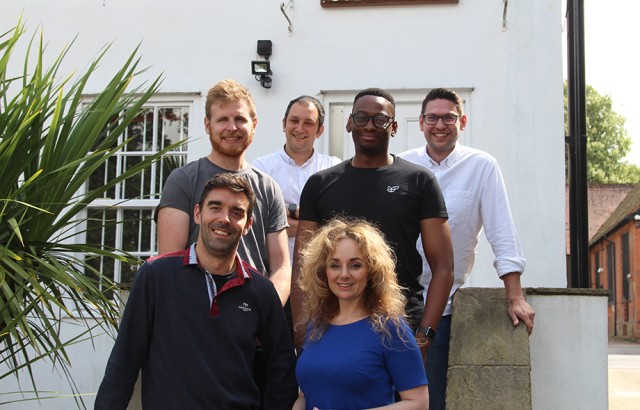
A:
(636, 217)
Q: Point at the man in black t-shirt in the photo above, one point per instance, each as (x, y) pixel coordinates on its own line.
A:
(403, 199)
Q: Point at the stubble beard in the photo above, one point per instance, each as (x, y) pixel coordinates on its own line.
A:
(377, 148)
(216, 247)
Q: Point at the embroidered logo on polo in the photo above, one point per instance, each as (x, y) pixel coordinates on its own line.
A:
(245, 307)
(392, 188)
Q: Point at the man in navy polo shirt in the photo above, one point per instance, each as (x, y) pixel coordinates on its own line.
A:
(193, 317)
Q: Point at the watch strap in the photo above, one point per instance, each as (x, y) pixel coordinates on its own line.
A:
(292, 210)
(427, 331)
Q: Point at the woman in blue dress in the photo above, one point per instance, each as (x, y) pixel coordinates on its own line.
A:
(358, 351)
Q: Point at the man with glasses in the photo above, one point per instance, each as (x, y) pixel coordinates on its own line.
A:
(476, 197)
(402, 199)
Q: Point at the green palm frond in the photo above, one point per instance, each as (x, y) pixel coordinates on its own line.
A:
(51, 142)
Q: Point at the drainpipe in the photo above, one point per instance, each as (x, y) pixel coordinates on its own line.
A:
(577, 145)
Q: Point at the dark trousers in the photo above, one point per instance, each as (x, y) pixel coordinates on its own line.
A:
(260, 373)
(438, 363)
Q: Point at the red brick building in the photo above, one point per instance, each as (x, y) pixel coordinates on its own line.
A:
(614, 264)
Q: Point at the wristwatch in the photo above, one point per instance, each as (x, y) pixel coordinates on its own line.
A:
(427, 331)
(293, 208)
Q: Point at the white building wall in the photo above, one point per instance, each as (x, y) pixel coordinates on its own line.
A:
(513, 67)
(569, 362)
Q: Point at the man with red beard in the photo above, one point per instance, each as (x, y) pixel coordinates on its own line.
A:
(230, 122)
(193, 316)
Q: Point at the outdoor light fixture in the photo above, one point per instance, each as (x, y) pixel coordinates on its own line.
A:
(262, 69)
(265, 81)
(265, 47)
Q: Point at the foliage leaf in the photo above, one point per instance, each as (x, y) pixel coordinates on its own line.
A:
(51, 142)
(607, 142)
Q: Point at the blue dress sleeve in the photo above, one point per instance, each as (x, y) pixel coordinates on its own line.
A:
(403, 359)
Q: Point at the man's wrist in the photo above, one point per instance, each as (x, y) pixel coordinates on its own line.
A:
(427, 331)
(293, 211)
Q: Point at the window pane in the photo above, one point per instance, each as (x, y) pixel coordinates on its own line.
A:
(101, 231)
(626, 266)
(101, 227)
(136, 232)
(140, 132)
(611, 271)
(139, 184)
(129, 273)
(104, 174)
(173, 126)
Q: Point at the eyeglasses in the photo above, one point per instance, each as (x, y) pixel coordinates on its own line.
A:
(447, 119)
(379, 120)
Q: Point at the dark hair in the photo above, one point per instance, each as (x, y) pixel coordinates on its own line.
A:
(307, 99)
(233, 182)
(443, 94)
(376, 92)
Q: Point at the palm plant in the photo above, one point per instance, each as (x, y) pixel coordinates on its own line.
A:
(50, 144)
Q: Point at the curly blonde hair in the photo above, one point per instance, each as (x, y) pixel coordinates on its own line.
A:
(227, 91)
(383, 297)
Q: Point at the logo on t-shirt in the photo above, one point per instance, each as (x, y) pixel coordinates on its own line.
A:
(245, 307)
(392, 188)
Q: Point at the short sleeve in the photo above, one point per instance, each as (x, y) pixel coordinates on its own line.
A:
(403, 360)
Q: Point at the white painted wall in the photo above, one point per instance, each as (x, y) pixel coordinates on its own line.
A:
(515, 74)
(88, 361)
(569, 361)
(513, 69)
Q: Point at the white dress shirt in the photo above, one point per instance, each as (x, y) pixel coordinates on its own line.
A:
(476, 197)
(292, 177)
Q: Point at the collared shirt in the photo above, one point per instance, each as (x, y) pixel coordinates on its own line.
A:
(476, 198)
(241, 273)
(290, 176)
(196, 347)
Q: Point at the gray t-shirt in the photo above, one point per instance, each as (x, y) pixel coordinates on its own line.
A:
(184, 187)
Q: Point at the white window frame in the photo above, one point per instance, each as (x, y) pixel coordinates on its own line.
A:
(119, 203)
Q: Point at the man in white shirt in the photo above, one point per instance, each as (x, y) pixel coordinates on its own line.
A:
(476, 197)
(292, 165)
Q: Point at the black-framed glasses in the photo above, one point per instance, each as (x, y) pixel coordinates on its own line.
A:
(447, 119)
(379, 120)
